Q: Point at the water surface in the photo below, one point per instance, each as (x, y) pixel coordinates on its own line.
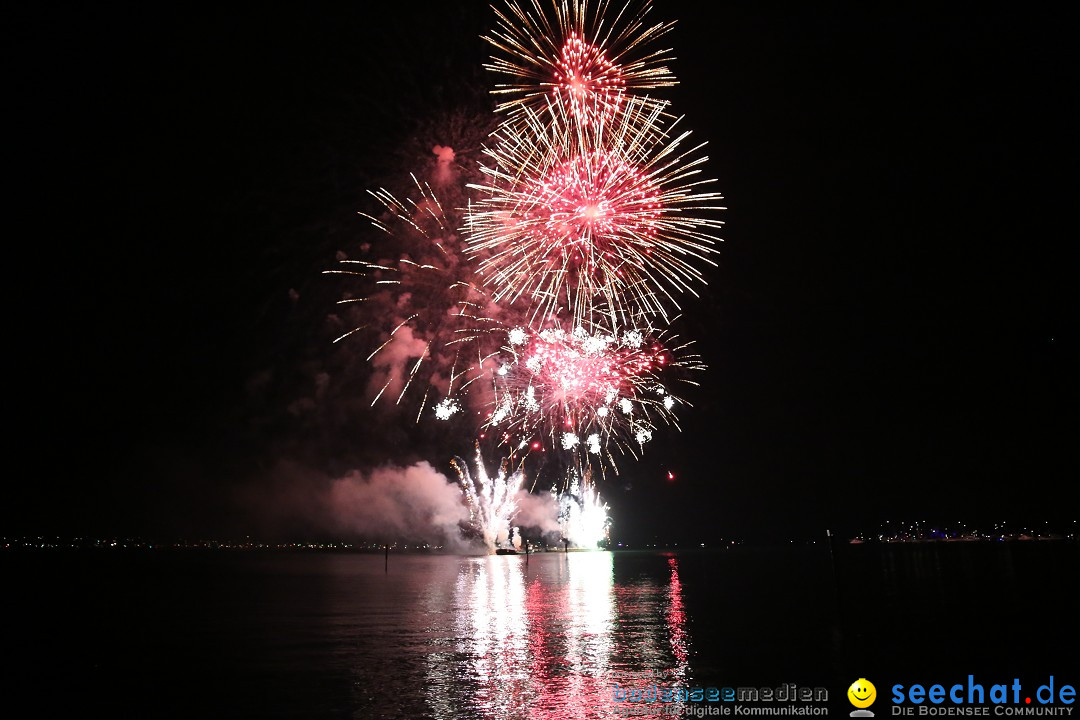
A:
(310, 635)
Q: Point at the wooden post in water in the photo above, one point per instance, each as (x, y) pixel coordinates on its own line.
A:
(386, 559)
(526, 551)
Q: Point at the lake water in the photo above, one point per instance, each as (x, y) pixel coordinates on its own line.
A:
(322, 635)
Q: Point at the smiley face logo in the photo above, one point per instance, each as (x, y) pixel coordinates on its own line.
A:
(862, 693)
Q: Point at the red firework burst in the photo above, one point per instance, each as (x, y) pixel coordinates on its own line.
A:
(586, 391)
(578, 378)
(592, 214)
(576, 216)
(590, 84)
(585, 53)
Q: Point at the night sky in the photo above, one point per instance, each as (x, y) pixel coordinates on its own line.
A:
(890, 333)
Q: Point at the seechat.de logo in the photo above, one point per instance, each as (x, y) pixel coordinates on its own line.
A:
(862, 694)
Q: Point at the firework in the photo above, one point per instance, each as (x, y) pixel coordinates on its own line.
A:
(587, 392)
(585, 55)
(583, 517)
(589, 219)
(492, 501)
(577, 217)
(422, 309)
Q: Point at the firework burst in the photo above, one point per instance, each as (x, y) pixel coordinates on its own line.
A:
(587, 392)
(589, 56)
(576, 216)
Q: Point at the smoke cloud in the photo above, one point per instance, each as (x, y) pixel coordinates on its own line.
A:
(537, 511)
(415, 503)
(444, 168)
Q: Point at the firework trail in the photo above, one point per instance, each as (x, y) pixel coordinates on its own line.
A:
(587, 56)
(424, 312)
(573, 217)
(491, 501)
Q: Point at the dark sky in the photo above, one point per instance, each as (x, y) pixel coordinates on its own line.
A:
(891, 331)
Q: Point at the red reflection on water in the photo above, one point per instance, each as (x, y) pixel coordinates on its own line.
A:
(676, 616)
(538, 606)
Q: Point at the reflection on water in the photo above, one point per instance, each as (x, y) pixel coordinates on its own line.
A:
(313, 636)
(676, 616)
(550, 639)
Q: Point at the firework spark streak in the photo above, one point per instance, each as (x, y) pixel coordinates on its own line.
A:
(422, 307)
(575, 217)
(584, 391)
(586, 55)
(491, 501)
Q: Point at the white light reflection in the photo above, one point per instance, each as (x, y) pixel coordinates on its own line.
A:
(591, 610)
(495, 632)
(551, 638)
